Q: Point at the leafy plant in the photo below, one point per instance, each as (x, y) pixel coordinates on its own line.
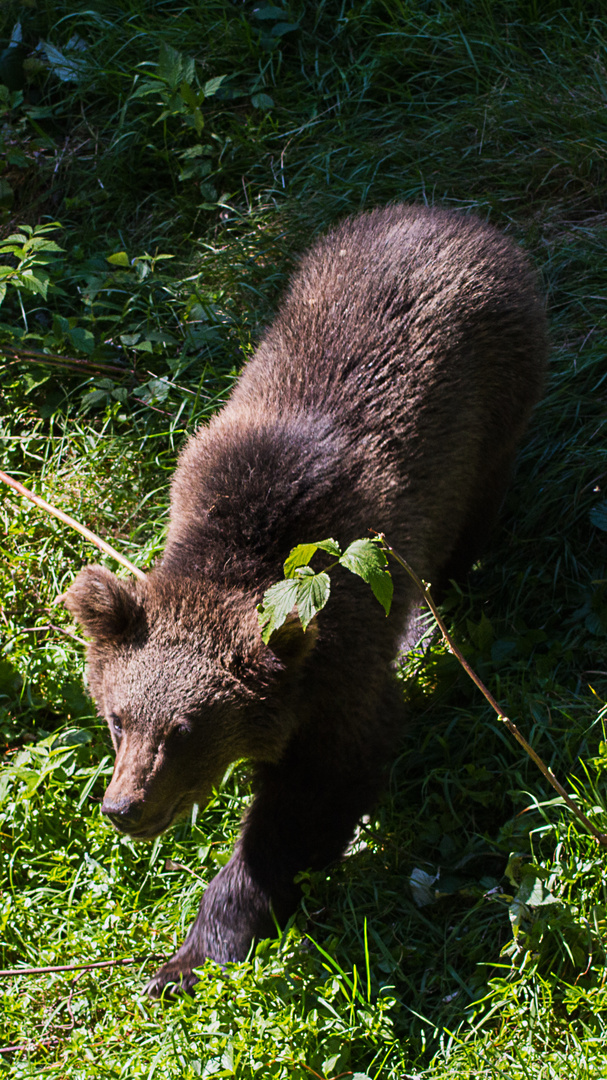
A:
(308, 592)
(33, 253)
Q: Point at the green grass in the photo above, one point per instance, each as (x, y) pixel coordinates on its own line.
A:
(496, 108)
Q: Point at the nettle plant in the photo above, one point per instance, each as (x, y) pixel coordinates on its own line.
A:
(308, 591)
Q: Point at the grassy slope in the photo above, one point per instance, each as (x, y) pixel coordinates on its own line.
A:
(491, 107)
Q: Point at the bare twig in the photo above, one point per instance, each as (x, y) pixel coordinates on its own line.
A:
(44, 628)
(33, 356)
(424, 589)
(68, 633)
(74, 967)
(35, 1043)
(82, 529)
(68, 1005)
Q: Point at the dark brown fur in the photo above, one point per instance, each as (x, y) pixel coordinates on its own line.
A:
(391, 392)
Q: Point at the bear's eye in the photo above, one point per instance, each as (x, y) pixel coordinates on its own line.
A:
(178, 734)
(116, 723)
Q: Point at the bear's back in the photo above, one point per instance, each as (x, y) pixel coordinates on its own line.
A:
(393, 303)
(390, 391)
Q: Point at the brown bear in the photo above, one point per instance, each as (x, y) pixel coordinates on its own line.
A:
(390, 393)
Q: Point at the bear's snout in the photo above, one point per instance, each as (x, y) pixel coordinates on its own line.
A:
(123, 812)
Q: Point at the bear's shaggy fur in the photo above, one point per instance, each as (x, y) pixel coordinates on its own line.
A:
(390, 393)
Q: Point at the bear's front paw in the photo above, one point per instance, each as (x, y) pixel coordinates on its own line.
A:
(174, 978)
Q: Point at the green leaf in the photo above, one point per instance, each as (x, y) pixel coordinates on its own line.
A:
(530, 894)
(66, 68)
(39, 229)
(82, 339)
(119, 258)
(366, 558)
(303, 553)
(283, 28)
(312, 595)
(198, 169)
(329, 545)
(170, 65)
(270, 12)
(153, 390)
(38, 244)
(299, 556)
(211, 86)
(2, 291)
(189, 95)
(197, 151)
(598, 515)
(262, 101)
(482, 633)
(34, 281)
(145, 88)
(95, 397)
(278, 602)
(72, 737)
(198, 119)
(12, 249)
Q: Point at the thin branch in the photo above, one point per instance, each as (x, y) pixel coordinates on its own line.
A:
(44, 628)
(74, 967)
(68, 633)
(68, 1005)
(424, 589)
(82, 529)
(32, 356)
(28, 1046)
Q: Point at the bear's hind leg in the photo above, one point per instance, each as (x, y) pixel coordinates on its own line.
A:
(473, 538)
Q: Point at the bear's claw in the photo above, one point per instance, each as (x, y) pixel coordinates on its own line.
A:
(171, 982)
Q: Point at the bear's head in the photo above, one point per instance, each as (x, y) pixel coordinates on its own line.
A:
(181, 675)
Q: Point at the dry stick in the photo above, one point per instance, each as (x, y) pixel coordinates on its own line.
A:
(49, 626)
(29, 1046)
(109, 550)
(32, 356)
(74, 967)
(424, 588)
(82, 529)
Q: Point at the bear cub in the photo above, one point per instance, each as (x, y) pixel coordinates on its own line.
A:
(391, 393)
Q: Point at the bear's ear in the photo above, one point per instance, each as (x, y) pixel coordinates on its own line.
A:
(291, 643)
(103, 605)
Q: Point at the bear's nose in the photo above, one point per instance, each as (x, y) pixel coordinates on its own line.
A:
(123, 812)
